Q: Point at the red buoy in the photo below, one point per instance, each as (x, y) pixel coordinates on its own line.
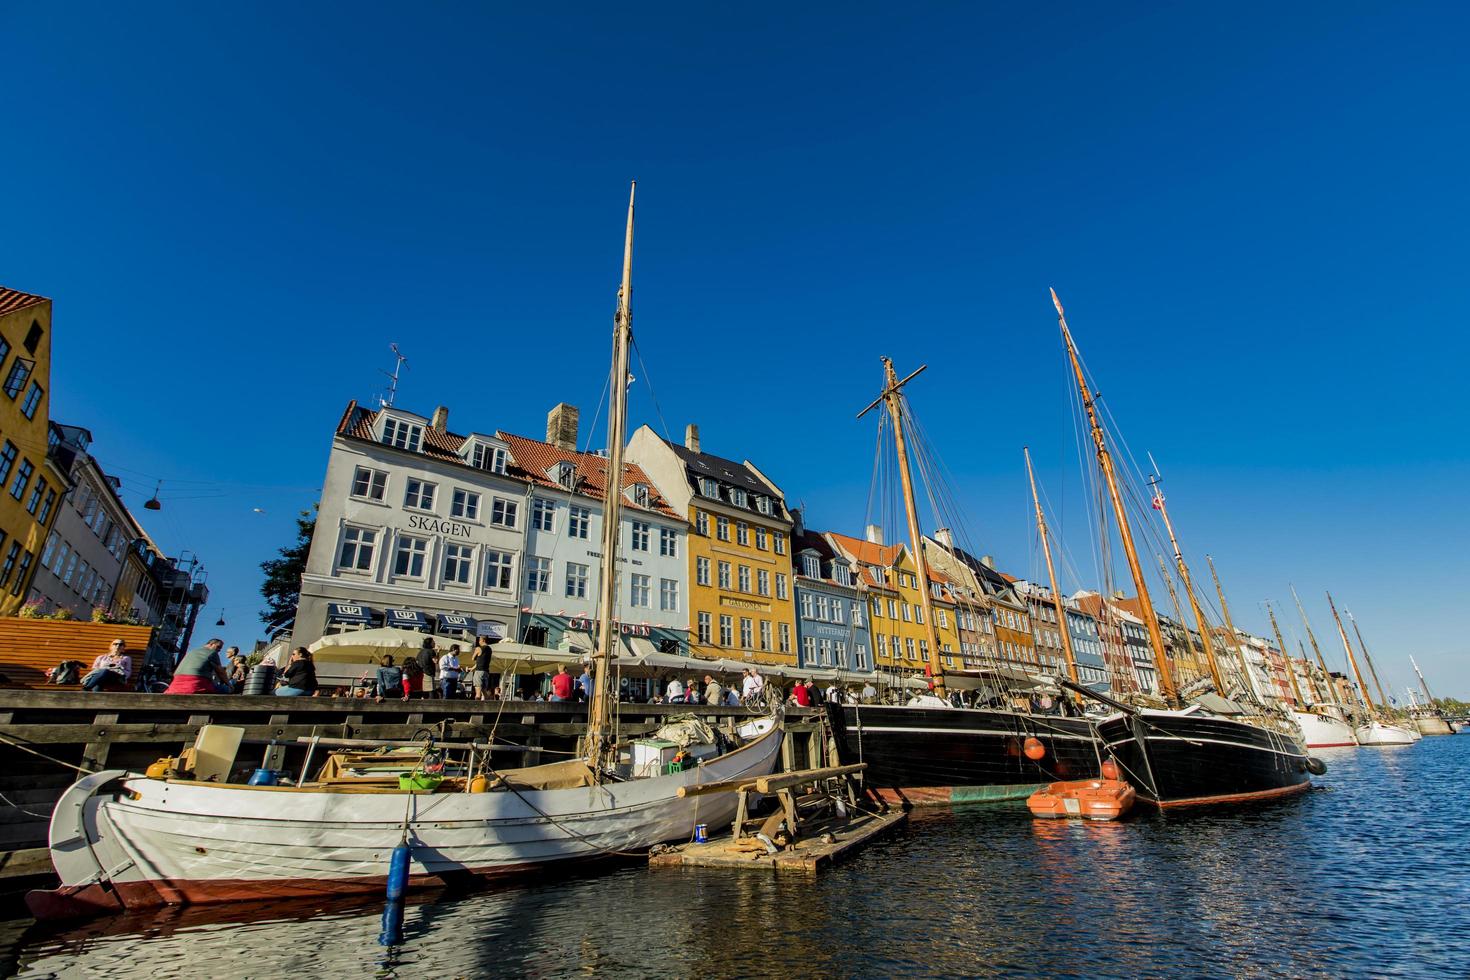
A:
(1035, 751)
(1109, 769)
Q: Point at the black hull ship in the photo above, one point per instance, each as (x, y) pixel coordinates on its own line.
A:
(939, 754)
(1176, 760)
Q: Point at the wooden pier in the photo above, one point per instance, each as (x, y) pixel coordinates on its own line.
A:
(129, 731)
(821, 817)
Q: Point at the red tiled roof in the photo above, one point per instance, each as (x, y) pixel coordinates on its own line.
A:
(867, 552)
(530, 459)
(13, 299)
(533, 458)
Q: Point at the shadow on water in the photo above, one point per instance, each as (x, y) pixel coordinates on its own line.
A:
(1366, 875)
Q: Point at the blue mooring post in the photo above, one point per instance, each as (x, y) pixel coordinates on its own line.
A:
(392, 934)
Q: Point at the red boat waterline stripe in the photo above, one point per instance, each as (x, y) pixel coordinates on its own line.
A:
(89, 900)
(1264, 794)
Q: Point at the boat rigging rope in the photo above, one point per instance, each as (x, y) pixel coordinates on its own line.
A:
(14, 744)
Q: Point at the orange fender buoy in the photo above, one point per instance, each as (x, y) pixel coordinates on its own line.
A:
(1109, 769)
(1035, 751)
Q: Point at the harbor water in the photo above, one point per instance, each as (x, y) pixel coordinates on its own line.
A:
(1367, 875)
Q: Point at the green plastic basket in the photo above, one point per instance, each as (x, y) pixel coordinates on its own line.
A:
(418, 782)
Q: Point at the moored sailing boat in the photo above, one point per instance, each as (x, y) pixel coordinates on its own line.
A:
(932, 750)
(1182, 755)
(1428, 719)
(1376, 731)
(125, 840)
(1324, 725)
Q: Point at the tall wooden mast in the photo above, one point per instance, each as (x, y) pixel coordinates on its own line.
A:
(1105, 463)
(1232, 638)
(599, 714)
(1321, 660)
(1352, 660)
(892, 398)
(1316, 694)
(1178, 614)
(1422, 682)
(1372, 671)
(1199, 617)
(1296, 690)
(1051, 573)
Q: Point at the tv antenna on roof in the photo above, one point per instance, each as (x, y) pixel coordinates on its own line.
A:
(393, 378)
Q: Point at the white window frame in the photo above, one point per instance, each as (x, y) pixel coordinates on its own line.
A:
(579, 522)
(639, 534)
(543, 515)
(640, 591)
(668, 542)
(504, 512)
(407, 546)
(375, 484)
(464, 504)
(576, 580)
(668, 595)
(505, 580)
(419, 494)
(538, 575)
(459, 563)
(701, 571)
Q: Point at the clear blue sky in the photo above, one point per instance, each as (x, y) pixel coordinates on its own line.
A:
(1255, 217)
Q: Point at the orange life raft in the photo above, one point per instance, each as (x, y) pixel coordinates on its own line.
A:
(1090, 799)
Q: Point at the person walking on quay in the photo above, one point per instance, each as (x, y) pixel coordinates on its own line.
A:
(299, 678)
(449, 673)
(561, 684)
(712, 693)
(480, 676)
(426, 666)
(390, 680)
(584, 684)
(200, 671)
(111, 668)
(674, 693)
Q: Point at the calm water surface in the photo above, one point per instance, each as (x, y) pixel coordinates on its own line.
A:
(1367, 876)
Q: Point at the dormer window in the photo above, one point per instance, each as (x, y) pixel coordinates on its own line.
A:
(737, 496)
(566, 474)
(841, 573)
(763, 503)
(492, 458)
(403, 435)
(640, 494)
(811, 566)
(709, 488)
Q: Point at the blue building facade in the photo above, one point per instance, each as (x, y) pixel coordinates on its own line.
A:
(831, 614)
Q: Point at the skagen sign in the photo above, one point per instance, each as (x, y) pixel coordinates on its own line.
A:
(434, 525)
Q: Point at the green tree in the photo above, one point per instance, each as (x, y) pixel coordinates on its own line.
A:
(282, 585)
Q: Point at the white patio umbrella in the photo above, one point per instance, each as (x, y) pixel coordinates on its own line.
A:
(366, 646)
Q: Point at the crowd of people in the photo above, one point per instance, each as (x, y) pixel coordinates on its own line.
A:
(438, 673)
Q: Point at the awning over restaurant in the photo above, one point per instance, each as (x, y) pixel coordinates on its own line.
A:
(490, 629)
(575, 641)
(348, 612)
(449, 621)
(408, 619)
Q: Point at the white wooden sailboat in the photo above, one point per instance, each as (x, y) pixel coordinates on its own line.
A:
(1375, 731)
(1324, 724)
(126, 840)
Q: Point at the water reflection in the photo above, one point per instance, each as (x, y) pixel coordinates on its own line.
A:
(1366, 875)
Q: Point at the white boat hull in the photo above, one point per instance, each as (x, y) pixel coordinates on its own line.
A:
(1323, 731)
(164, 842)
(1377, 733)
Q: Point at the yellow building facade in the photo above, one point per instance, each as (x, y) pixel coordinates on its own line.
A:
(900, 635)
(30, 483)
(741, 597)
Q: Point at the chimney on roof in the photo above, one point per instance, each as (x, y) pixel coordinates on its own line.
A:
(439, 421)
(944, 537)
(988, 561)
(561, 427)
(691, 437)
(798, 524)
(874, 533)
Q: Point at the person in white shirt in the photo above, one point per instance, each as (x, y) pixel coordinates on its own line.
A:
(449, 674)
(753, 683)
(674, 693)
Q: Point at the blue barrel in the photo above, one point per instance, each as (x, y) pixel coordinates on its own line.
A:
(264, 777)
(701, 833)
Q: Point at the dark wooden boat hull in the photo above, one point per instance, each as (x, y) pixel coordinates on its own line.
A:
(924, 748)
(1183, 760)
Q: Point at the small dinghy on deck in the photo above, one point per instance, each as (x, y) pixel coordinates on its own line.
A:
(1108, 798)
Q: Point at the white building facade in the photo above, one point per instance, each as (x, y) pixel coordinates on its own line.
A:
(418, 528)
